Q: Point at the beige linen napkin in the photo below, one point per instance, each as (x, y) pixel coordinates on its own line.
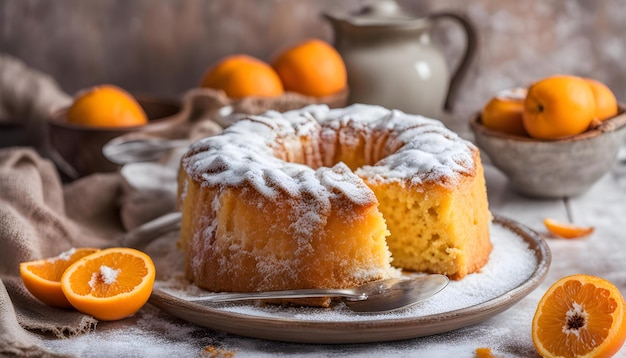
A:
(40, 218)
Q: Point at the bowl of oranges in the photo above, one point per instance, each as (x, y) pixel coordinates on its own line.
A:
(96, 115)
(555, 138)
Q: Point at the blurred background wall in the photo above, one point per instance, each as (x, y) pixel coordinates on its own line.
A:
(163, 47)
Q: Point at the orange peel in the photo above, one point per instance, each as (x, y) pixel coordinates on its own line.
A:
(567, 230)
(42, 277)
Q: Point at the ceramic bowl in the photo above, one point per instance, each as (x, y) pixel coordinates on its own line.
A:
(553, 168)
(77, 150)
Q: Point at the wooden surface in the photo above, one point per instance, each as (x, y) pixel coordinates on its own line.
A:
(460, 304)
(508, 334)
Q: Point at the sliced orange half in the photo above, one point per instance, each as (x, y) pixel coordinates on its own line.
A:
(42, 278)
(110, 284)
(580, 316)
(566, 230)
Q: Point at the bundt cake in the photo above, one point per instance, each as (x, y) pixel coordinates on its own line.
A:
(325, 198)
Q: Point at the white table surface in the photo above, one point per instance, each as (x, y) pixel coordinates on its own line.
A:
(155, 334)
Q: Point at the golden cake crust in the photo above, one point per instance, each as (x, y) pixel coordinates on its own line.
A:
(297, 200)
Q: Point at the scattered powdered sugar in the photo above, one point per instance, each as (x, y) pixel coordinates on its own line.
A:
(422, 149)
(339, 178)
(259, 151)
(106, 274)
(511, 263)
(290, 157)
(66, 255)
(149, 333)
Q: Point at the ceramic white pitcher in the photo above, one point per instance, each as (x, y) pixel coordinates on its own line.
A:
(391, 61)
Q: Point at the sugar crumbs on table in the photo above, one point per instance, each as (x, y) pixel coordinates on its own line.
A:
(511, 263)
(215, 352)
(485, 353)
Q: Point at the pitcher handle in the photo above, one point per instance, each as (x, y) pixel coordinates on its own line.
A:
(468, 55)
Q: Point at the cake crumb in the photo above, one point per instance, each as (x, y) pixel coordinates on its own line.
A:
(211, 351)
(485, 353)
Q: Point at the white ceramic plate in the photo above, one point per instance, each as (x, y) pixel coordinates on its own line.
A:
(518, 264)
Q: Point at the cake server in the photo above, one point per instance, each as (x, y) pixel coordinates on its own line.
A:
(375, 297)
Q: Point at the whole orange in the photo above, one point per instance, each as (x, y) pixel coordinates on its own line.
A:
(606, 103)
(216, 73)
(313, 68)
(242, 76)
(106, 106)
(558, 106)
(503, 113)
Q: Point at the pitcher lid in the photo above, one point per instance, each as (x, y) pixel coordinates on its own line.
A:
(377, 13)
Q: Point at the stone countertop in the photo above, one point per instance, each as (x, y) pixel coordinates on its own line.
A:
(508, 334)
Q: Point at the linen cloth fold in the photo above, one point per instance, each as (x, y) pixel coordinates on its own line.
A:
(27, 94)
(40, 218)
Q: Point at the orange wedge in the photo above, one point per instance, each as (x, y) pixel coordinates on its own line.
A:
(580, 316)
(484, 352)
(110, 284)
(565, 230)
(42, 278)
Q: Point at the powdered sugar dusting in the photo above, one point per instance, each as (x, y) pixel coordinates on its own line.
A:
(149, 333)
(421, 150)
(511, 263)
(154, 333)
(340, 179)
(278, 152)
(65, 255)
(106, 275)
(295, 159)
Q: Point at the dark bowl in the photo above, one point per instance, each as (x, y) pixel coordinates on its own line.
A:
(77, 150)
